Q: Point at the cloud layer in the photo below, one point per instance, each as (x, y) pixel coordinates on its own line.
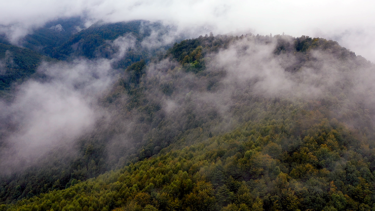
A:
(349, 21)
(54, 112)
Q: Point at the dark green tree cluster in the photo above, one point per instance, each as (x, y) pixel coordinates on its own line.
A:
(93, 42)
(55, 33)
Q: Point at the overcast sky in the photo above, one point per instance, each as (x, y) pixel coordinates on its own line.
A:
(349, 22)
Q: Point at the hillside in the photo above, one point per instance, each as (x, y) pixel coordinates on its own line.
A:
(16, 65)
(216, 123)
(52, 34)
(259, 166)
(67, 39)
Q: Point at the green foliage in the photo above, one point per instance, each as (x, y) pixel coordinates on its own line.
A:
(192, 53)
(240, 178)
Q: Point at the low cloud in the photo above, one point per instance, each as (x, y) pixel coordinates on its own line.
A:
(315, 18)
(53, 112)
(252, 62)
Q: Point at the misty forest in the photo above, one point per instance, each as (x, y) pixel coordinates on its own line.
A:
(136, 116)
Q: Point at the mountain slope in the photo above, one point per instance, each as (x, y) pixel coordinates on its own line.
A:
(53, 34)
(17, 65)
(295, 108)
(95, 42)
(259, 166)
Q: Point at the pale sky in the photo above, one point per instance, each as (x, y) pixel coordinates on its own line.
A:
(349, 22)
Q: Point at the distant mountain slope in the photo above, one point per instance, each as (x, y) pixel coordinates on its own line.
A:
(87, 42)
(95, 42)
(16, 65)
(64, 39)
(53, 34)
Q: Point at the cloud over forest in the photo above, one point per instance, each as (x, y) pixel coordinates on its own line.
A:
(350, 22)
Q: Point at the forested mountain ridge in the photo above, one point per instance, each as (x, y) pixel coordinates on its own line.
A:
(300, 126)
(66, 39)
(52, 34)
(86, 42)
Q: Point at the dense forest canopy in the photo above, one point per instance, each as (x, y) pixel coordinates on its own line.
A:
(225, 122)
